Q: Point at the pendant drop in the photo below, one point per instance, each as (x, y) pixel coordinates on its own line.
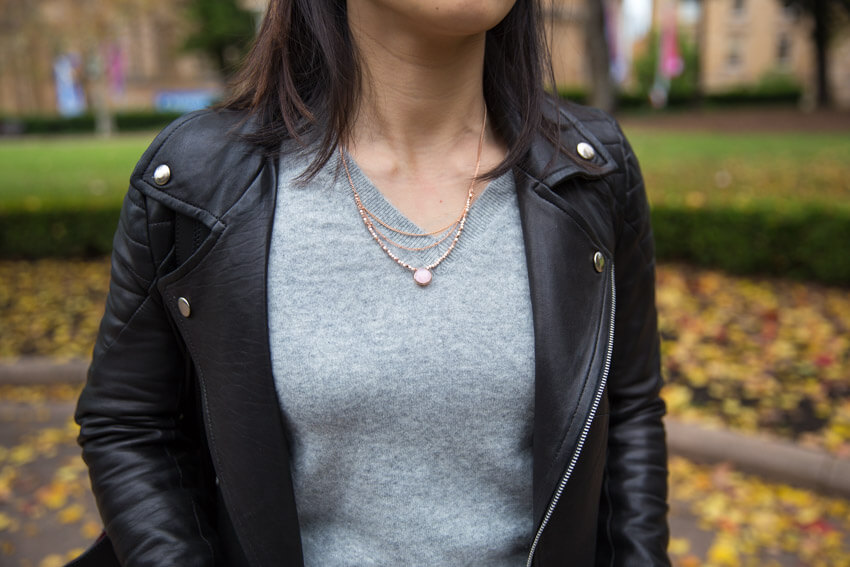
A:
(422, 276)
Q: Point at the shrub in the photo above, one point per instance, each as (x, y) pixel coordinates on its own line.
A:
(125, 121)
(57, 233)
(810, 243)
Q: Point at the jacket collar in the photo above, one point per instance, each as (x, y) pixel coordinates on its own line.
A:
(227, 161)
(551, 165)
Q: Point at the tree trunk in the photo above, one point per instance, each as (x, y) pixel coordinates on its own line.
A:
(820, 11)
(104, 122)
(701, 44)
(599, 70)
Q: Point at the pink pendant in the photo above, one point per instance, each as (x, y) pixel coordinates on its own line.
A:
(422, 276)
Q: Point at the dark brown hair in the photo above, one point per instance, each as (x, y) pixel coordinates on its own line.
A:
(301, 78)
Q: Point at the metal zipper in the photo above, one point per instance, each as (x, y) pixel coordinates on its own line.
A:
(605, 369)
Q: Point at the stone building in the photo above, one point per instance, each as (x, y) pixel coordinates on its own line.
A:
(139, 41)
(740, 42)
(743, 42)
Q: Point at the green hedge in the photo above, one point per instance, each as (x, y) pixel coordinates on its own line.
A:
(125, 121)
(57, 233)
(771, 93)
(809, 243)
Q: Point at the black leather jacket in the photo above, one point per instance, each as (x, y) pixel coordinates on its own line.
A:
(180, 422)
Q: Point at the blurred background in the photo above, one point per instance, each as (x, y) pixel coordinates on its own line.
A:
(739, 111)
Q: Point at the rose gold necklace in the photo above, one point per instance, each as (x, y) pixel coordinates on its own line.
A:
(424, 274)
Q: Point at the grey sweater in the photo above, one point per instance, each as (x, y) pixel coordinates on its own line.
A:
(409, 409)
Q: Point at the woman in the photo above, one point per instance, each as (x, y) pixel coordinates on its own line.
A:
(269, 387)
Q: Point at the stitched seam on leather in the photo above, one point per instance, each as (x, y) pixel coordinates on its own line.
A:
(617, 215)
(130, 269)
(184, 201)
(136, 200)
(631, 190)
(108, 346)
(608, 520)
(177, 238)
(628, 156)
(245, 190)
(126, 235)
(150, 250)
(131, 194)
(191, 500)
(648, 258)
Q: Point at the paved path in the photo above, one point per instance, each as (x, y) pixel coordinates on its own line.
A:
(51, 507)
(755, 118)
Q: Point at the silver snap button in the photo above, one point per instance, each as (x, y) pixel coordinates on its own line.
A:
(599, 262)
(585, 150)
(162, 174)
(184, 307)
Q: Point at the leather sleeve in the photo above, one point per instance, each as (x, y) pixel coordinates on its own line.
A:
(142, 463)
(633, 524)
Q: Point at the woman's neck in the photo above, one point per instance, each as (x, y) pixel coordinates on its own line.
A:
(421, 91)
(419, 120)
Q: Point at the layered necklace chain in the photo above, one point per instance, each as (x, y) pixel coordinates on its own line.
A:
(422, 275)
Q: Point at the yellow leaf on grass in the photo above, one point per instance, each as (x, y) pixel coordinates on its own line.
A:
(71, 514)
(808, 514)
(6, 522)
(52, 560)
(54, 495)
(74, 553)
(723, 553)
(21, 455)
(91, 530)
(690, 561)
(679, 546)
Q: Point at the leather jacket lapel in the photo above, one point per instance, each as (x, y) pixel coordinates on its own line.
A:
(227, 337)
(571, 302)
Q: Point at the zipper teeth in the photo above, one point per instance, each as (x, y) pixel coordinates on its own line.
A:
(605, 369)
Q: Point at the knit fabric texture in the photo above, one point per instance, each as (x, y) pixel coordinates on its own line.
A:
(409, 408)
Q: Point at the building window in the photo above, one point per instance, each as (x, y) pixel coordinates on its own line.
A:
(738, 7)
(783, 50)
(790, 12)
(734, 57)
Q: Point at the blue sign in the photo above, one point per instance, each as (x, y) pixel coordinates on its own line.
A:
(185, 100)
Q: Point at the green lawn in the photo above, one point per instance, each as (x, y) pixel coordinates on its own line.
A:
(695, 169)
(702, 169)
(76, 171)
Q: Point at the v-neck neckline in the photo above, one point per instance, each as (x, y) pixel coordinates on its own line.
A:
(481, 213)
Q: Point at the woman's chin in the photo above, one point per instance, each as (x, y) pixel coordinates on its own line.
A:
(444, 17)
